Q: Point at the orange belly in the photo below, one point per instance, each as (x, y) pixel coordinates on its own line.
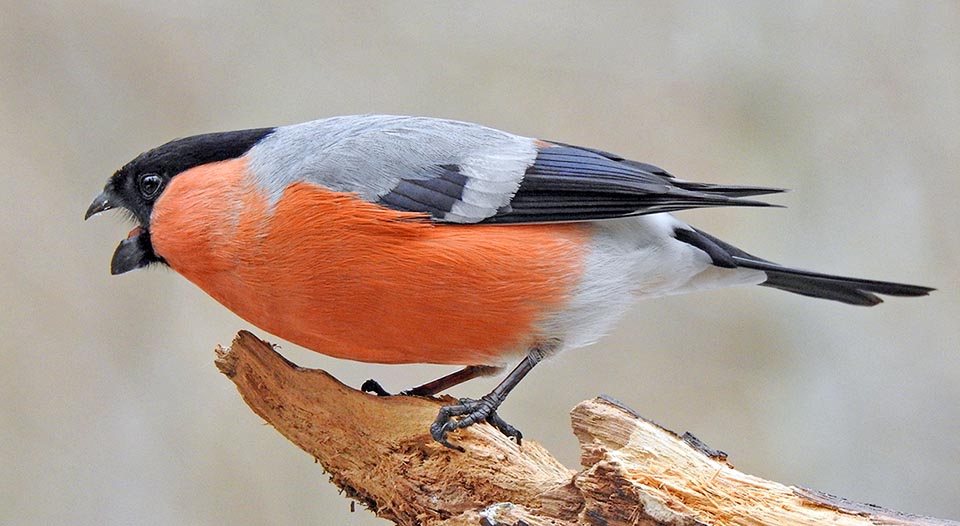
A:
(354, 280)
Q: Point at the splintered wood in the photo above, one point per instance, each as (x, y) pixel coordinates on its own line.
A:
(379, 451)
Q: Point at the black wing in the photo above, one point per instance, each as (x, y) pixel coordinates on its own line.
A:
(564, 183)
(569, 183)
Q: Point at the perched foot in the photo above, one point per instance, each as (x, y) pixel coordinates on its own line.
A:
(470, 412)
(373, 386)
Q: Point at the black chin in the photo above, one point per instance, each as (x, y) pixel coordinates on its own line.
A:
(133, 253)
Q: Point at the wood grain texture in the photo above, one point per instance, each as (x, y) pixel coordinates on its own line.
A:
(379, 451)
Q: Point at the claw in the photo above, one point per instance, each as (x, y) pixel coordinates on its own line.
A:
(504, 427)
(373, 386)
(471, 411)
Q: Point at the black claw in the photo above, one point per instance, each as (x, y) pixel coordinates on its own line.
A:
(372, 386)
(496, 421)
(471, 411)
(441, 426)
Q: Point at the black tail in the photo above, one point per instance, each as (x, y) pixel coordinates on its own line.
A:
(854, 291)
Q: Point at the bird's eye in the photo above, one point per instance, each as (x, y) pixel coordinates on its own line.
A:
(150, 185)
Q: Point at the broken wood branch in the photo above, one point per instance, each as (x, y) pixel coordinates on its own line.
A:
(378, 450)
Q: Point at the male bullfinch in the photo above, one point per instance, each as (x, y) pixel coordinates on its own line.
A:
(394, 239)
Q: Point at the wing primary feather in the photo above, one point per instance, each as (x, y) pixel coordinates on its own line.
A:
(728, 190)
(563, 183)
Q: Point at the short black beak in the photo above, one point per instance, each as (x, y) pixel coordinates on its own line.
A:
(100, 204)
(132, 253)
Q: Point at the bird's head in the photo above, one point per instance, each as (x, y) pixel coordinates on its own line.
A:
(137, 186)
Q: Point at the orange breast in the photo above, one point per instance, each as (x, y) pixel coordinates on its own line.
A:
(351, 279)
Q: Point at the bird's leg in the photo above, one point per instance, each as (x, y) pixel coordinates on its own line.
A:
(455, 378)
(437, 386)
(472, 411)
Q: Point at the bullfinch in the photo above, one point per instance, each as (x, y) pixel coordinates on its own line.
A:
(394, 240)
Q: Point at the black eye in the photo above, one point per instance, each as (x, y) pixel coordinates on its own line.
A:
(150, 185)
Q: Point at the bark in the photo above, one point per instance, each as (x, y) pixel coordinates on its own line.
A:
(378, 451)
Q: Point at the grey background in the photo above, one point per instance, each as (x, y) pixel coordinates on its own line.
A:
(113, 413)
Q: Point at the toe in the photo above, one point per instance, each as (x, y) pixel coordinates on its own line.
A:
(372, 386)
(504, 427)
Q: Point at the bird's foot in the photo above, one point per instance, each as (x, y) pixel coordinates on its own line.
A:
(457, 416)
(373, 386)
(470, 412)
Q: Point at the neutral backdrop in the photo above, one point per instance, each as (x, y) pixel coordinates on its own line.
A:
(112, 410)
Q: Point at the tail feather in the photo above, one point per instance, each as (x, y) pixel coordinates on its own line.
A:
(854, 291)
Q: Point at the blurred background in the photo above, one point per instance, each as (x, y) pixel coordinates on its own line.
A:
(113, 412)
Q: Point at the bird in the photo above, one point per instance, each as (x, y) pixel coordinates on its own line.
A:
(402, 239)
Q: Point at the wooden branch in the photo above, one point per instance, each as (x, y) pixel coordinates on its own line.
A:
(379, 451)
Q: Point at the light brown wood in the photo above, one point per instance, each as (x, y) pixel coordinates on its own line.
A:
(379, 451)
